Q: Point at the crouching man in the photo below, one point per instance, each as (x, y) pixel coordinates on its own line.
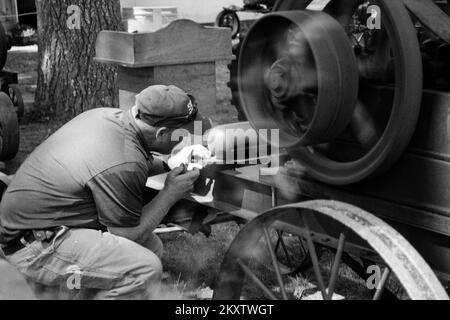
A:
(75, 210)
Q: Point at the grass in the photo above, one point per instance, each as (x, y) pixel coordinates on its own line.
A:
(195, 259)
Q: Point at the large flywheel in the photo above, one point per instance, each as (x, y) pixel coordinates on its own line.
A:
(345, 95)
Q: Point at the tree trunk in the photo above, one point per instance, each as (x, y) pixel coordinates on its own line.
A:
(69, 81)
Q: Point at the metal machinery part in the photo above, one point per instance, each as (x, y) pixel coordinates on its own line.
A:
(433, 28)
(9, 129)
(228, 18)
(374, 138)
(432, 17)
(398, 256)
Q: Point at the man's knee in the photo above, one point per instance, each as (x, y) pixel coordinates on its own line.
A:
(154, 244)
(158, 247)
(145, 277)
(152, 266)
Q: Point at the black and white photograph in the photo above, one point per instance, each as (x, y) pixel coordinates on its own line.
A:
(216, 155)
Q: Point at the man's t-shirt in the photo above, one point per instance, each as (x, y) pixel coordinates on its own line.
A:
(89, 174)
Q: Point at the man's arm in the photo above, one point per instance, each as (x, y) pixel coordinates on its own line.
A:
(152, 214)
(177, 186)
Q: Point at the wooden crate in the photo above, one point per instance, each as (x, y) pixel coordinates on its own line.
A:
(183, 54)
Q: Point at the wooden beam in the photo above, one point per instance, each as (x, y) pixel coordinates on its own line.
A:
(181, 42)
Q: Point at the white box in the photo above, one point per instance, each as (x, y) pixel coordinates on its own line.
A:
(148, 19)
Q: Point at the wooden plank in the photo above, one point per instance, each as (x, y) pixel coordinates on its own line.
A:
(115, 47)
(136, 80)
(181, 42)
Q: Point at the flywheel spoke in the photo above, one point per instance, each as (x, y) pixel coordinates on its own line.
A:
(315, 259)
(302, 245)
(286, 253)
(256, 280)
(382, 284)
(280, 234)
(275, 264)
(336, 265)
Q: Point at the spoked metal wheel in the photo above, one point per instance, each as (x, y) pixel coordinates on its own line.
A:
(395, 257)
(341, 130)
(229, 19)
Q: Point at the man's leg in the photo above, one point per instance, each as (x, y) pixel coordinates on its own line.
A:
(82, 260)
(154, 244)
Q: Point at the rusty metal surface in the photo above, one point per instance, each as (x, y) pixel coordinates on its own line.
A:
(431, 16)
(412, 271)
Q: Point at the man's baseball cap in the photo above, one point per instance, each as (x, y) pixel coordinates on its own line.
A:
(170, 107)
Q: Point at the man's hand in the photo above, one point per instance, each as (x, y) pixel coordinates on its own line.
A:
(194, 157)
(180, 183)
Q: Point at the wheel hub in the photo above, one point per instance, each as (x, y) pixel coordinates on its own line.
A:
(283, 80)
(293, 85)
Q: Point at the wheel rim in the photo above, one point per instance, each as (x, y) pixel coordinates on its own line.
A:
(375, 138)
(400, 258)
